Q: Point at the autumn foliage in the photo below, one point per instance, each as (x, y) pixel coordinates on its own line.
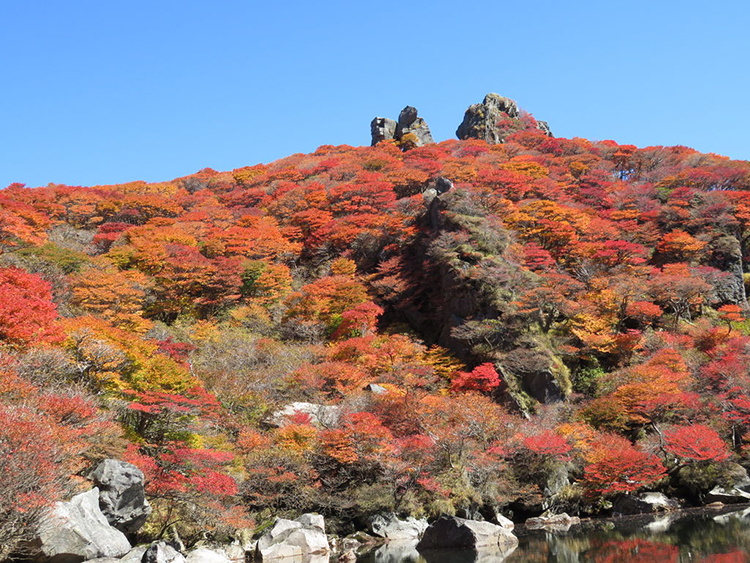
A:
(567, 306)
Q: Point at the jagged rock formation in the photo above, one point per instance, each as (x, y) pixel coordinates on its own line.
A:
(410, 129)
(122, 498)
(382, 129)
(409, 123)
(489, 120)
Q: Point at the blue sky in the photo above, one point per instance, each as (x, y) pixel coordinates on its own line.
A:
(99, 92)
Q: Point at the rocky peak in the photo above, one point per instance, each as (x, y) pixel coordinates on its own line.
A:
(410, 130)
(489, 120)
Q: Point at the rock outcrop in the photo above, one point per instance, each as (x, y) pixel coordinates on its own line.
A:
(390, 527)
(77, 530)
(302, 537)
(556, 522)
(122, 498)
(382, 129)
(322, 416)
(645, 503)
(450, 532)
(208, 555)
(410, 130)
(493, 120)
(409, 123)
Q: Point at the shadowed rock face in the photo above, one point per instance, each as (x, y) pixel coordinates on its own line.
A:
(481, 120)
(410, 129)
(450, 532)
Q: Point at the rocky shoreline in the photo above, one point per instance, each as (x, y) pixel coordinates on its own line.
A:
(97, 525)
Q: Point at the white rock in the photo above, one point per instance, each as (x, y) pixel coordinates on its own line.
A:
(504, 522)
(294, 538)
(390, 527)
(207, 555)
(320, 415)
(77, 530)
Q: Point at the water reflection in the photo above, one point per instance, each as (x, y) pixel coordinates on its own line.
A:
(689, 537)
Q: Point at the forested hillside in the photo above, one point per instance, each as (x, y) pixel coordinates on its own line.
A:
(465, 328)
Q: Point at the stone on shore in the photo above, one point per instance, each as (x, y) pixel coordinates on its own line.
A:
(77, 530)
(451, 532)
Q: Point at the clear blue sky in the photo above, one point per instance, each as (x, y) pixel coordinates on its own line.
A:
(107, 91)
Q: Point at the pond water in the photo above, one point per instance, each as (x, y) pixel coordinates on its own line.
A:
(699, 536)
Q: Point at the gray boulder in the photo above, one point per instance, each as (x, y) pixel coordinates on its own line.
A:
(449, 532)
(135, 554)
(77, 530)
(302, 537)
(390, 527)
(645, 503)
(555, 522)
(122, 498)
(557, 480)
(160, 552)
(382, 129)
(322, 416)
(312, 520)
(481, 120)
(207, 555)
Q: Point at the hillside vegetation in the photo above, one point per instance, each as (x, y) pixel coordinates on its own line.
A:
(543, 323)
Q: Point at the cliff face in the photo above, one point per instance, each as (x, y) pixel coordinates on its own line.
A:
(462, 277)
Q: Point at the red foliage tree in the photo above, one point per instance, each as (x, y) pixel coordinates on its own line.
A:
(621, 468)
(696, 443)
(27, 313)
(548, 443)
(483, 378)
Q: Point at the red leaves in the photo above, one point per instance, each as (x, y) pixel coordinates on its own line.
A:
(483, 378)
(27, 313)
(174, 471)
(620, 468)
(548, 443)
(696, 443)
